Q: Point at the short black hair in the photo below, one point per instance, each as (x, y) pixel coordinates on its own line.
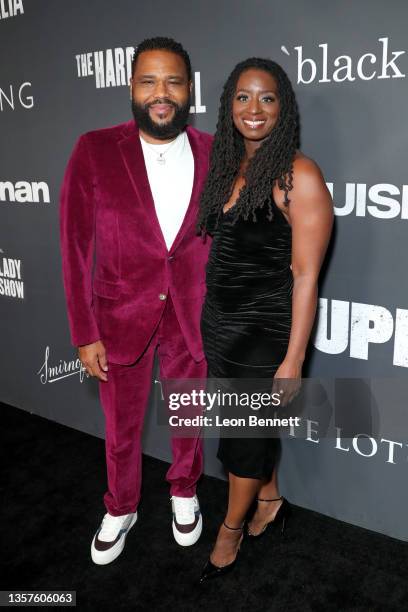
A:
(162, 43)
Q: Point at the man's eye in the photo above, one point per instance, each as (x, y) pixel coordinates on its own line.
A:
(146, 82)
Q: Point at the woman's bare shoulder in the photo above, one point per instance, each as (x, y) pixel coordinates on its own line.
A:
(304, 165)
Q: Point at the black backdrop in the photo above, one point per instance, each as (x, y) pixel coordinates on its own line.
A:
(348, 62)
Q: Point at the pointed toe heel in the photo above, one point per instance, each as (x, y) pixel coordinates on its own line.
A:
(214, 571)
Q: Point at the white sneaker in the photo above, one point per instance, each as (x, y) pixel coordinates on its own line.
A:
(187, 520)
(109, 540)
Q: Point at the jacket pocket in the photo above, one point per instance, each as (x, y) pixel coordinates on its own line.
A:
(106, 289)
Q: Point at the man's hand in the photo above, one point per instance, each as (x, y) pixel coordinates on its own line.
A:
(93, 358)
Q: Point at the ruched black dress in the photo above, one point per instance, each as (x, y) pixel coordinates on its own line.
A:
(246, 317)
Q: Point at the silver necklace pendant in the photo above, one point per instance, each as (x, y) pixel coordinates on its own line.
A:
(161, 160)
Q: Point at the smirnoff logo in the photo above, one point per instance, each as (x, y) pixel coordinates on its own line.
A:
(53, 372)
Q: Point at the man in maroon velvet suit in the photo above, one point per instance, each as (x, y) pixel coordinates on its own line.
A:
(134, 277)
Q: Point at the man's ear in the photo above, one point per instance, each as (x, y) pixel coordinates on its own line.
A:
(130, 87)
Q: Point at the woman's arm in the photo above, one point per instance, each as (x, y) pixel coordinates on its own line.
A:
(311, 217)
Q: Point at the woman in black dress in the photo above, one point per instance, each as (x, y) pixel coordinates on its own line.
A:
(270, 214)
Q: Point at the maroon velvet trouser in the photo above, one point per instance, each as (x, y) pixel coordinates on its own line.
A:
(124, 399)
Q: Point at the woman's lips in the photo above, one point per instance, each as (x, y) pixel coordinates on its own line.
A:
(254, 124)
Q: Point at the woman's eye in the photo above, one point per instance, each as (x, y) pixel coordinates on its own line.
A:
(242, 98)
(268, 99)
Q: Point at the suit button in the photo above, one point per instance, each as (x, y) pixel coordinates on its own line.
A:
(162, 296)
(171, 257)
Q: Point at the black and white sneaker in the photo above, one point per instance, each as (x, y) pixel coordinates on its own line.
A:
(109, 540)
(187, 520)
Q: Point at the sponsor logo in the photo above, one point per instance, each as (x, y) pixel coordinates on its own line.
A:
(380, 64)
(15, 95)
(11, 282)
(110, 68)
(383, 200)
(50, 373)
(23, 192)
(361, 444)
(113, 68)
(11, 8)
(357, 327)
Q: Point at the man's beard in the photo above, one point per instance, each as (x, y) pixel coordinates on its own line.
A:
(163, 131)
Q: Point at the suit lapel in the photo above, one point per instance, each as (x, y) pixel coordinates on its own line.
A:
(133, 158)
(132, 155)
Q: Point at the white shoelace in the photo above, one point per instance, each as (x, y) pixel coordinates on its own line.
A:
(184, 509)
(111, 525)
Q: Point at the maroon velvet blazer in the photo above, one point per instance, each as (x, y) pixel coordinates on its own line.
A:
(116, 266)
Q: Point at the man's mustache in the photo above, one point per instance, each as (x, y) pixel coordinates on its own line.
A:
(162, 101)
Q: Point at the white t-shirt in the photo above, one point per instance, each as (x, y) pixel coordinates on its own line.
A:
(171, 182)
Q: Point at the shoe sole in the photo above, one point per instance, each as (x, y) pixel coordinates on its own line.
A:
(107, 556)
(188, 539)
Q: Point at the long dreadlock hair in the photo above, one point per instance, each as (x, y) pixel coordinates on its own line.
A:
(271, 162)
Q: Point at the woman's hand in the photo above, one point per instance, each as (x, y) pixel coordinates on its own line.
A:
(287, 380)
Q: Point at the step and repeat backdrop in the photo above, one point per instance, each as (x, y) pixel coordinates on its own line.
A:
(64, 71)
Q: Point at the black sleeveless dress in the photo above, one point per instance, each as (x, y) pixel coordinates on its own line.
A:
(246, 318)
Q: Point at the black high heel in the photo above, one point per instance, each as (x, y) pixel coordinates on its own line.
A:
(213, 571)
(281, 517)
